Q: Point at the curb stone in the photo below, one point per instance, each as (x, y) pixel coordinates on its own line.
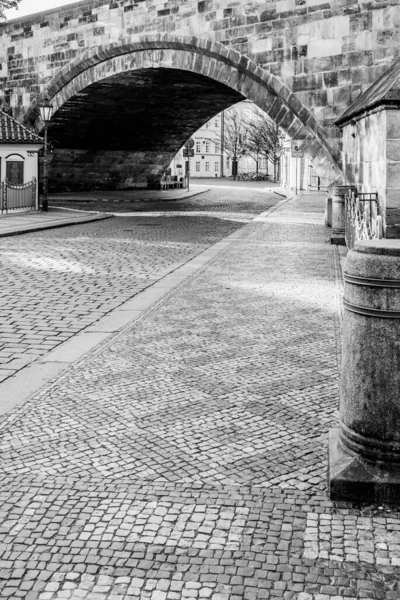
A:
(75, 221)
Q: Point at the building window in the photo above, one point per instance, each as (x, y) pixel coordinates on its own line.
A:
(197, 166)
(217, 148)
(216, 167)
(15, 170)
(207, 167)
(227, 162)
(198, 147)
(207, 147)
(207, 124)
(216, 122)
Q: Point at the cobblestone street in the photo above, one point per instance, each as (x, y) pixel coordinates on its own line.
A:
(186, 456)
(56, 283)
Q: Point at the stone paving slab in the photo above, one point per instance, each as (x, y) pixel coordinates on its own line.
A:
(186, 456)
(18, 223)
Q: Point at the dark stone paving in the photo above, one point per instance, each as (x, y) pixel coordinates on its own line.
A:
(186, 456)
(237, 199)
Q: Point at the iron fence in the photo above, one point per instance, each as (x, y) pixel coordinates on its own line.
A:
(18, 196)
(363, 221)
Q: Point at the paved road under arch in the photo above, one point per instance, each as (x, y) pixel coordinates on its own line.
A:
(186, 456)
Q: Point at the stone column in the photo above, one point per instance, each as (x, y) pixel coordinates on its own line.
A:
(339, 213)
(328, 212)
(364, 452)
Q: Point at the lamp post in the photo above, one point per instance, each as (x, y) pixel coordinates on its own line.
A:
(46, 112)
(222, 142)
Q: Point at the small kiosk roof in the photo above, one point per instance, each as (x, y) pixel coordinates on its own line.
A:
(12, 132)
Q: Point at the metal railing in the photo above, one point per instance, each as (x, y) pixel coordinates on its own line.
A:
(18, 196)
(363, 221)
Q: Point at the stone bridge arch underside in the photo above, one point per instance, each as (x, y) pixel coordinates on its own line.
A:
(122, 112)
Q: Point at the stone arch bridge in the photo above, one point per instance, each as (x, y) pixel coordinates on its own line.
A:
(131, 80)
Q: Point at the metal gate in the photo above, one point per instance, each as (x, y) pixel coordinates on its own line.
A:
(363, 221)
(18, 196)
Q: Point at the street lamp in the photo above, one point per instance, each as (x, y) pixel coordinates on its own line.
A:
(46, 112)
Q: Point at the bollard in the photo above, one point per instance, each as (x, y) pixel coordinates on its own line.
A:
(339, 213)
(364, 452)
(328, 212)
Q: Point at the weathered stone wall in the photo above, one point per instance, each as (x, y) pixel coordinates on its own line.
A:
(371, 160)
(315, 57)
(80, 170)
(364, 155)
(392, 173)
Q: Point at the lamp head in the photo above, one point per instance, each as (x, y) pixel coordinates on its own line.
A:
(46, 110)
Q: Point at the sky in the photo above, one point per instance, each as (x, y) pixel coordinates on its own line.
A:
(27, 7)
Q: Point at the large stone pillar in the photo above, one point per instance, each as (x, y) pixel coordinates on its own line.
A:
(339, 213)
(364, 453)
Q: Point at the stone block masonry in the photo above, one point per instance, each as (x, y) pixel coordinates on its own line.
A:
(311, 58)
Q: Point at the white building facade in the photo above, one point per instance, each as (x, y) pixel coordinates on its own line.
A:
(210, 160)
(297, 173)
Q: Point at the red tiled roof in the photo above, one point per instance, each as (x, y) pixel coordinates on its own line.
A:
(12, 132)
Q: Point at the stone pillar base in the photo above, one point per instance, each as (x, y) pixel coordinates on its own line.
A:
(351, 477)
(338, 237)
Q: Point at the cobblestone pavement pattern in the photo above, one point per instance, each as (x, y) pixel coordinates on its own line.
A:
(56, 283)
(186, 456)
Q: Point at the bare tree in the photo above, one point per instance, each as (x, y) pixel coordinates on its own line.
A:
(235, 137)
(276, 149)
(255, 142)
(6, 5)
(264, 139)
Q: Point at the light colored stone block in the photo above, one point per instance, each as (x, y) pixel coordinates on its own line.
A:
(263, 45)
(393, 150)
(392, 124)
(328, 48)
(393, 175)
(335, 27)
(74, 348)
(389, 17)
(284, 5)
(392, 197)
